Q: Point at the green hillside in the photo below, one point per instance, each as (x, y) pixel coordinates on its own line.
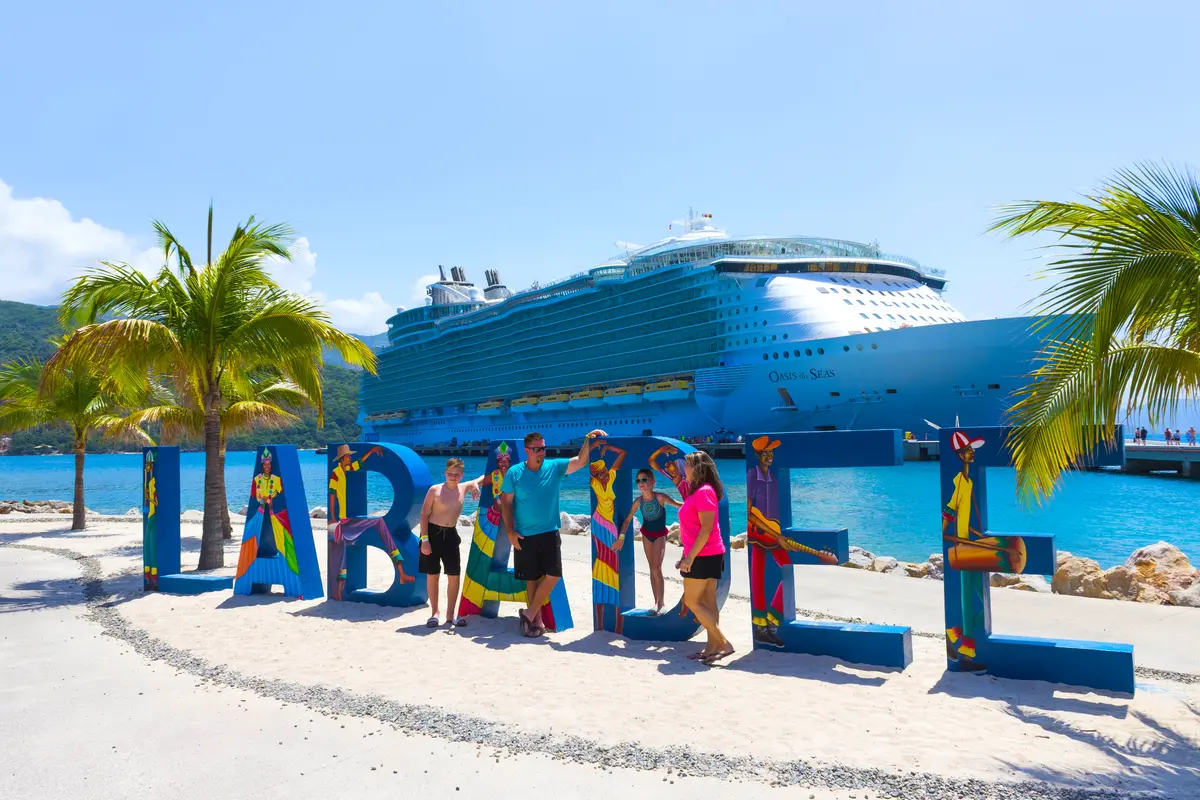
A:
(24, 330)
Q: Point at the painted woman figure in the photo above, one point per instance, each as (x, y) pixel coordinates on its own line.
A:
(266, 488)
(960, 641)
(606, 583)
(480, 582)
(149, 526)
(490, 522)
(673, 468)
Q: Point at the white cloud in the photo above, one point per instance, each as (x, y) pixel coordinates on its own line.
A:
(366, 315)
(42, 248)
(417, 298)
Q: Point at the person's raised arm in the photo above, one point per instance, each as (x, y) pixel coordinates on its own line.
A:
(581, 459)
(667, 500)
(472, 486)
(620, 455)
(506, 513)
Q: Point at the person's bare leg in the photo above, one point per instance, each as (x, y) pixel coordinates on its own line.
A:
(657, 582)
(693, 595)
(545, 587)
(431, 583)
(710, 601)
(451, 596)
(531, 588)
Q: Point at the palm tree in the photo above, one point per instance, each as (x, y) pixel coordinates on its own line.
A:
(203, 325)
(83, 399)
(250, 400)
(1123, 318)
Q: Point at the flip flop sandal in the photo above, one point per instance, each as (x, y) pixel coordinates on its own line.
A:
(652, 612)
(432, 622)
(698, 656)
(461, 622)
(526, 626)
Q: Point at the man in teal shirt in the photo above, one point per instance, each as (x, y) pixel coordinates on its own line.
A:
(529, 504)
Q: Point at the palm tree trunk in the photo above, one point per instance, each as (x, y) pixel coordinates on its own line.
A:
(226, 524)
(212, 547)
(78, 512)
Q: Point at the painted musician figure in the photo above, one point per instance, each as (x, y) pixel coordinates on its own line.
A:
(149, 526)
(765, 539)
(960, 641)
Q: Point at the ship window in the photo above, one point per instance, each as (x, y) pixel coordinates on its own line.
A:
(874, 347)
(822, 290)
(864, 316)
(777, 355)
(786, 354)
(772, 338)
(820, 351)
(848, 302)
(890, 391)
(874, 303)
(835, 394)
(756, 324)
(993, 386)
(785, 336)
(878, 317)
(807, 352)
(756, 308)
(764, 356)
(861, 303)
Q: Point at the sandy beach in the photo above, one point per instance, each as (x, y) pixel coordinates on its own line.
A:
(765, 718)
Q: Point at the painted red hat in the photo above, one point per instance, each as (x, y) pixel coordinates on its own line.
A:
(959, 441)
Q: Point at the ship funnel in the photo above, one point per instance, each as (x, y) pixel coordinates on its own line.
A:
(458, 274)
(442, 271)
(495, 290)
(492, 276)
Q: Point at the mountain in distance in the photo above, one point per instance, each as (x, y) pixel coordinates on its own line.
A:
(25, 329)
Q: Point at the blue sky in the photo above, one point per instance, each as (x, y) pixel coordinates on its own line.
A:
(529, 137)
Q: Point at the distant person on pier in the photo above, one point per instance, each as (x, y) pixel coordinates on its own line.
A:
(1145, 433)
(529, 504)
(1178, 438)
(1167, 435)
(1191, 434)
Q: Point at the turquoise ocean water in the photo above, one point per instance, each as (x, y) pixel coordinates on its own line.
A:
(892, 511)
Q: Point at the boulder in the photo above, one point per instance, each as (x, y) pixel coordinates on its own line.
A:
(884, 564)
(245, 510)
(1123, 584)
(1187, 597)
(1072, 572)
(737, 542)
(6, 508)
(937, 569)
(133, 512)
(192, 515)
(36, 509)
(1002, 579)
(318, 512)
(1031, 583)
(1163, 566)
(859, 559)
(673, 533)
(574, 524)
(914, 570)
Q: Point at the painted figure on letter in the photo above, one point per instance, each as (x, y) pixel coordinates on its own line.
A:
(765, 539)
(960, 641)
(606, 583)
(149, 526)
(266, 487)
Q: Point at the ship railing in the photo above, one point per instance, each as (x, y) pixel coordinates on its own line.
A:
(769, 248)
(560, 287)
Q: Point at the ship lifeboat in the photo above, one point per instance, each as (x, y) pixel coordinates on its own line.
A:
(675, 389)
(491, 408)
(624, 395)
(587, 398)
(525, 404)
(559, 401)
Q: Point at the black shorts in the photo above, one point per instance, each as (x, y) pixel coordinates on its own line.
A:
(443, 546)
(705, 567)
(540, 555)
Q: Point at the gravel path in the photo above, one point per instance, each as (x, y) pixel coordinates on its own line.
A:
(433, 721)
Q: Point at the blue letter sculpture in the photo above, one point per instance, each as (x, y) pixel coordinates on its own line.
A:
(277, 543)
(351, 531)
(971, 551)
(160, 528)
(613, 573)
(775, 546)
(488, 580)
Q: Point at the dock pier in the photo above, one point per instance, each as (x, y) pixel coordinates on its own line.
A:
(1181, 458)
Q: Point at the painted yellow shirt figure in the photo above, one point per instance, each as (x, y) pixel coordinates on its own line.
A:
(960, 505)
(151, 497)
(267, 487)
(605, 495)
(337, 485)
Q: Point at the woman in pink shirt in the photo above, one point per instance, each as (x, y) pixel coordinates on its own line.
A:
(703, 559)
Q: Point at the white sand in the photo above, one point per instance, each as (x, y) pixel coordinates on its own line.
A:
(602, 687)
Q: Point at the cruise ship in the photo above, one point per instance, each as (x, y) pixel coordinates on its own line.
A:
(699, 335)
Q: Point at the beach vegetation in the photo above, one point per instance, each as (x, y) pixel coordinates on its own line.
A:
(201, 325)
(1121, 317)
(84, 399)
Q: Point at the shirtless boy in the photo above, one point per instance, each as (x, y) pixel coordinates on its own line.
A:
(439, 538)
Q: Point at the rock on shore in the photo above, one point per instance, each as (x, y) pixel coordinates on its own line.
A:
(40, 507)
(1159, 573)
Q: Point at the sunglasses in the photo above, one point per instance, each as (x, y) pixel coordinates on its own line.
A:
(536, 449)
(643, 480)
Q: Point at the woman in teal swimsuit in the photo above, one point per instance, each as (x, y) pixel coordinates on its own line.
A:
(653, 505)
